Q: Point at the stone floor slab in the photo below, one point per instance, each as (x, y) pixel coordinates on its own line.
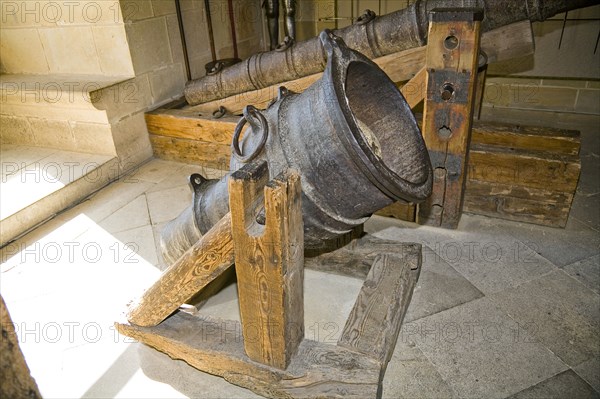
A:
(558, 311)
(478, 350)
(564, 385)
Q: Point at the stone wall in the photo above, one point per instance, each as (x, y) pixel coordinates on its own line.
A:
(79, 75)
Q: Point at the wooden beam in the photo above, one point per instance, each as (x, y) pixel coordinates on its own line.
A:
(414, 90)
(215, 346)
(201, 264)
(269, 262)
(192, 151)
(374, 323)
(452, 60)
(186, 124)
(515, 40)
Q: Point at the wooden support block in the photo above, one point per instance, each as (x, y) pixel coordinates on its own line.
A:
(374, 323)
(215, 346)
(452, 59)
(206, 260)
(269, 262)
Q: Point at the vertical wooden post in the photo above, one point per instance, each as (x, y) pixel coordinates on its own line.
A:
(269, 262)
(451, 62)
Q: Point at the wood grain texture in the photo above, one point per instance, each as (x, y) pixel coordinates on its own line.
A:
(269, 262)
(201, 264)
(414, 90)
(375, 320)
(185, 124)
(522, 204)
(215, 346)
(529, 138)
(448, 116)
(532, 169)
(191, 151)
(16, 380)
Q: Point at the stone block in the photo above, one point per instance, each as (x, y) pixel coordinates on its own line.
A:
(593, 84)
(134, 10)
(131, 140)
(113, 51)
(125, 98)
(15, 130)
(196, 32)
(22, 51)
(163, 7)
(94, 138)
(174, 38)
(70, 50)
(563, 82)
(167, 83)
(588, 102)
(52, 133)
(88, 13)
(530, 96)
(149, 44)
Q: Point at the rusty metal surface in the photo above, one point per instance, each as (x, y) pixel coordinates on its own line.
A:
(379, 36)
(351, 136)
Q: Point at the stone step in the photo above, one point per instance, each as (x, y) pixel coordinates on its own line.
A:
(37, 183)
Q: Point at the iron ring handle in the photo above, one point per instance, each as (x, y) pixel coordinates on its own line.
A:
(249, 111)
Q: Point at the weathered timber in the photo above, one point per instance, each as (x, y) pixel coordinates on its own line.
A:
(191, 151)
(522, 204)
(452, 64)
(317, 370)
(529, 138)
(514, 40)
(414, 90)
(269, 262)
(187, 124)
(375, 320)
(215, 346)
(201, 264)
(15, 380)
(533, 169)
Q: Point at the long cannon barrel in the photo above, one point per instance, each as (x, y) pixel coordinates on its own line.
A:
(373, 37)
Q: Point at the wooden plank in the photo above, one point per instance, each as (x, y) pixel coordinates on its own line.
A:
(356, 258)
(524, 168)
(215, 346)
(515, 40)
(448, 112)
(188, 125)
(16, 380)
(414, 90)
(191, 151)
(375, 320)
(269, 262)
(201, 264)
(529, 138)
(511, 41)
(523, 204)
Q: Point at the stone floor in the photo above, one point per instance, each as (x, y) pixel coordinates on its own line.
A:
(502, 309)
